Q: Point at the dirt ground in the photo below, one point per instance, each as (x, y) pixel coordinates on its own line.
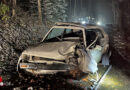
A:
(119, 76)
(116, 79)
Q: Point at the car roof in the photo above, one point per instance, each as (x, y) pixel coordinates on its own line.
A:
(73, 24)
(78, 25)
(68, 24)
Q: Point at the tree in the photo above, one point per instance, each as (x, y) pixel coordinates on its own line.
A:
(13, 7)
(39, 12)
(116, 11)
(4, 9)
(55, 10)
(4, 1)
(33, 6)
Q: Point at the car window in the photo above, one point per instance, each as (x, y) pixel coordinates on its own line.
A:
(64, 34)
(55, 32)
(90, 36)
(68, 31)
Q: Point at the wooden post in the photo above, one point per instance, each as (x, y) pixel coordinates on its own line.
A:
(39, 12)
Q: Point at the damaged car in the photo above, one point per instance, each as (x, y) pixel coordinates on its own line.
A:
(65, 47)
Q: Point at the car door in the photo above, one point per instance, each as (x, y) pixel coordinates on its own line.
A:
(94, 50)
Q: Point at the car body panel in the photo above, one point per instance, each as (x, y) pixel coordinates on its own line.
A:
(51, 50)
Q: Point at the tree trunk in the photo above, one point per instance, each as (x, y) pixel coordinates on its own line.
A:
(39, 12)
(75, 7)
(114, 11)
(4, 1)
(13, 8)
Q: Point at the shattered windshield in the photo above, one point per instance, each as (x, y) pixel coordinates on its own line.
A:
(61, 34)
(55, 32)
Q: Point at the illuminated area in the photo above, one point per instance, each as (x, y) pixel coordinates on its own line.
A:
(111, 81)
(114, 80)
(99, 23)
(83, 22)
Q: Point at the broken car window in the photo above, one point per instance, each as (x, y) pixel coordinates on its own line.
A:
(63, 34)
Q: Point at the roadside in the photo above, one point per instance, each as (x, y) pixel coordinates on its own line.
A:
(116, 79)
(119, 76)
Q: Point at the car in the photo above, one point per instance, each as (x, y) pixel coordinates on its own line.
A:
(66, 46)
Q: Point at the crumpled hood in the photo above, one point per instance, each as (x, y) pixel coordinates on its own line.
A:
(54, 50)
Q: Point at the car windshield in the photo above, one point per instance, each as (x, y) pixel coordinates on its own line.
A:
(61, 34)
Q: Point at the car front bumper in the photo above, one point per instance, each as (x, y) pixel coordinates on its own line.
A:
(41, 68)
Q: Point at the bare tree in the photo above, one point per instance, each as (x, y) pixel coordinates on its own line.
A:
(13, 7)
(39, 12)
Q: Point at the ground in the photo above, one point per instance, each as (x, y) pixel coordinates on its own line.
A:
(115, 80)
(119, 76)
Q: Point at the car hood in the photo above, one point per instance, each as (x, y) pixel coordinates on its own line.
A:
(54, 50)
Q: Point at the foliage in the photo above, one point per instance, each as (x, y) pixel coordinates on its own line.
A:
(55, 10)
(4, 9)
(52, 10)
